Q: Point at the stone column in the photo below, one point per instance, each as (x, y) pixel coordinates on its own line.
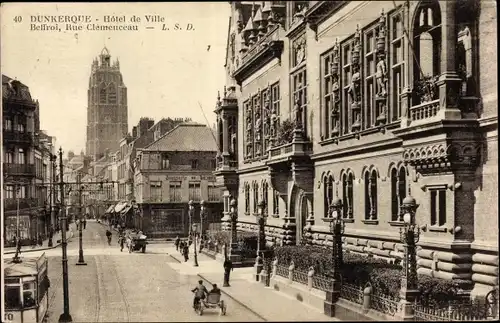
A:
(449, 81)
(217, 138)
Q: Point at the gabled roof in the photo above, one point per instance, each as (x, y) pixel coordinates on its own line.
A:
(185, 137)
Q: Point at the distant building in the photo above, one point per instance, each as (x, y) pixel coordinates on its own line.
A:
(107, 112)
(172, 171)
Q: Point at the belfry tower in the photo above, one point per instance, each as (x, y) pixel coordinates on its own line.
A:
(107, 117)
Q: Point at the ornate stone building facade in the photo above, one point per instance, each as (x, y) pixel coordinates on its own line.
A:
(368, 101)
(107, 113)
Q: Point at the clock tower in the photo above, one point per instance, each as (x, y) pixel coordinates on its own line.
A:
(107, 117)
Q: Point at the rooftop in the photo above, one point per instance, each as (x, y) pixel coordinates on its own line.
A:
(186, 137)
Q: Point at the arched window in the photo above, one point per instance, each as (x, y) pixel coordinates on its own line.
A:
(264, 196)
(328, 193)
(398, 192)
(112, 95)
(102, 95)
(347, 195)
(371, 195)
(427, 47)
(247, 198)
(255, 198)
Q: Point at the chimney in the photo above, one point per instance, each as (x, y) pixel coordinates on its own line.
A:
(134, 132)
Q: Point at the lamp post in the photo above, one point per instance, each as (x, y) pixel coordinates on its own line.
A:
(409, 235)
(234, 234)
(190, 216)
(195, 228)
(203, 215)
(16, 259)
(261, 241)
(337, 227)
(81, 260)
(65, 316)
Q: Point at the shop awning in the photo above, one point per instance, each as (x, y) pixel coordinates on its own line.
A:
(110, 209)
(120, 206)
(126, 209)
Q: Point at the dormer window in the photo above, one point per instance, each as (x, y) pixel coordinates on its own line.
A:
(165, 162)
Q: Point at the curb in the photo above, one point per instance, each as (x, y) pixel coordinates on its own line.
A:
(41, 249)
(227, 294)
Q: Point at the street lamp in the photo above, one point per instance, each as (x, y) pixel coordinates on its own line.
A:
(190, 215)
(409, 235)
(81, 261)
(195, 228)
(234, 235)
(203, 215)
(337, 227)
(261, 241)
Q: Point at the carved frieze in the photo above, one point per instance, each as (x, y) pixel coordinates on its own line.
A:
(355, 82)
(335, 75)
(381, 73)
(444, 157)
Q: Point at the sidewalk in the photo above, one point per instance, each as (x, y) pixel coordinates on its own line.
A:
(265, 302)
(44, 246)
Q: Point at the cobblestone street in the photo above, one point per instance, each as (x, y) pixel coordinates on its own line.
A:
(121, 287)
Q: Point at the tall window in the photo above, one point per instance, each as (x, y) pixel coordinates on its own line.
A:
(8, 124)
(21, 156)
(194, 164)
(370, 78)
(195, 191)
(257, 115)
(265, 192)
(155, 191)
(427, 46)
(247, 198)
(249, 134)
(276, 202)
(165, 162)
(438, 206)
(347, 195)
(397, 63)
(112, 95)
(371, 195)
(175, 191)
(255, 198)
(275, 111)
(299, 97)
(9, 192)
(328, 193)
(213, 193)
(398, 192)
(9, 156)
(102, 96)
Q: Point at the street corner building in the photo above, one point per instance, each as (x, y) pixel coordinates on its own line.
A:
(369, 102)
(170, 172)
(27, 156)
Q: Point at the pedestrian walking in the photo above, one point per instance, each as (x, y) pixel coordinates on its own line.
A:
(176, 243)
(228, 267)
(122, 242)
(186, 253)
(84, 223)
(40, 240)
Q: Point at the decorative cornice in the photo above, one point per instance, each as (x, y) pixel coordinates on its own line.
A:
(320, 11)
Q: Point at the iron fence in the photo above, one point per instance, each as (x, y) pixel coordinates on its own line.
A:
(466, 310)
(282, 271)
(352, 293)
(300, 276)
(384, 303)
(321, 282)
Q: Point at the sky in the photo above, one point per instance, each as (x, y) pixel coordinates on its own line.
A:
(166, 72)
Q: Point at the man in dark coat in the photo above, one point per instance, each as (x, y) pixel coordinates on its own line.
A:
(186, 252)
(176, 243)
(228, 267)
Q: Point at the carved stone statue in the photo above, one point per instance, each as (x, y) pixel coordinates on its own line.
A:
(354, 87)
(297, 109)
(249, 129)
(258, 125)
(274, 122)
(381, 76)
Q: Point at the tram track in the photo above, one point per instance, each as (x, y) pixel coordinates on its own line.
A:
(100, 286)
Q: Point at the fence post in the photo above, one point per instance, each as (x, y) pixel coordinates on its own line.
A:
(275, 267)
(291, 268)
(310, 275)
(367, 296)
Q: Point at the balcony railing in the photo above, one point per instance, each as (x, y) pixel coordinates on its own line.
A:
(18, 169)
(17, 136)
(425, 110)
(291, 149)
(10, 204)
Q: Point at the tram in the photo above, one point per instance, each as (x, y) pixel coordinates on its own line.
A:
(26, 289)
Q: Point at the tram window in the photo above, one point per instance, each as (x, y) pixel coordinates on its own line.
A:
(29, 294)
(12, 297)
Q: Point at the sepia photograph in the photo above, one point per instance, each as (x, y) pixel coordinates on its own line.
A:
(249, 161)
